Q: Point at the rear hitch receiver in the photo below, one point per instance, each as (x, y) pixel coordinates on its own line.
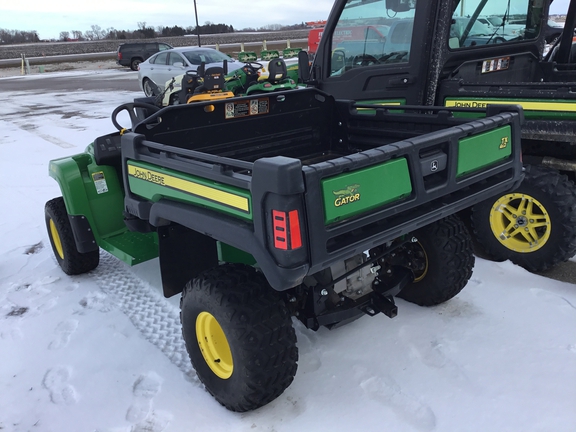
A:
(384, 304)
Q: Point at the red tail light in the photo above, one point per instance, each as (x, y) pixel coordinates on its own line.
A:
(286, 229)
(119, 56)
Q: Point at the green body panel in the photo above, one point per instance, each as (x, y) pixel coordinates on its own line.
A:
(380, 102)
(153, 183)
(269, 54)
(534, 109)
(267, 87)
(94, 191)
(247, 56)
(358, 192)
(482, 150)
(230, 254)
(290, 52)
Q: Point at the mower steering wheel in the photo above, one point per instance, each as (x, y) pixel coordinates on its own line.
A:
(130, 109)
(255, 65)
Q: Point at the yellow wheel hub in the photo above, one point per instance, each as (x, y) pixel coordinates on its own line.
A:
(420, 273)
(520, 222)
(56, 239)
(214, 345)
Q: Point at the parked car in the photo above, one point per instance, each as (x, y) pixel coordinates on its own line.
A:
(162, 67)
(504, 28)
(552, 30)
(479, 34)
(132, 54)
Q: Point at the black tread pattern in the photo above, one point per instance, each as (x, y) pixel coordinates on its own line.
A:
(448, 247)
(74, 262)
(259, 330)
(558, 195)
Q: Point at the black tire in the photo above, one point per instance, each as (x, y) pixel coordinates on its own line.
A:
(250, 358)
(536, 243)
(445, 250)
(149, 87)
(61, 237)
(134, 63)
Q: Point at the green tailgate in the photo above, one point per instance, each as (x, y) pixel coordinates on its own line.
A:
(153, 183)
(483, 150)
(357, 192)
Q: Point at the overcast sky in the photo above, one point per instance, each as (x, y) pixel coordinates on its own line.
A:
(49, 18)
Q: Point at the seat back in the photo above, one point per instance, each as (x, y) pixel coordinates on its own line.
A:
(214, 79)
(277, 70)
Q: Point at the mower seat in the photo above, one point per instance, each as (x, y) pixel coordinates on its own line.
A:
(213, 80)
(277, 70)
(213, 85)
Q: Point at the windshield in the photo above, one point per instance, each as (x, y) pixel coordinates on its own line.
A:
(481, 22)
(495, 21)
(368, 33)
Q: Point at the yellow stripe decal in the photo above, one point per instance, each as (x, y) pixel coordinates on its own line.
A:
(190, 187)
(527, 105)
(375, 103)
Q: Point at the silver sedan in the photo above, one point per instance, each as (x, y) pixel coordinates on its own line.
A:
(162, 67)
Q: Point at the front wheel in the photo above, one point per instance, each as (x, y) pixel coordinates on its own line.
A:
(442, 261)
(239, 336)
(533, 226)
(61, 237)
(149, 87)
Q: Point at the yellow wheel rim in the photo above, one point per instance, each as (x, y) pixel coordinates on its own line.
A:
(56, 239)
(421, 274)
(520, 222)
(214, 345)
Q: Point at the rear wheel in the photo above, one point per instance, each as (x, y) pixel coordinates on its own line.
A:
(134, 63)
(533, 226)
(61, 237)
(442, 261)
(239, 336)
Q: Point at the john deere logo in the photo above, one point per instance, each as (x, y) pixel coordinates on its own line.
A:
(503, 143)
(347, 195)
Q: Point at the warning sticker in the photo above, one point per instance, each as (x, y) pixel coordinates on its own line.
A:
(100, 182)
(247, 108)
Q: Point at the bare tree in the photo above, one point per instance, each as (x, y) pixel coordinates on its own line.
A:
(98, 32)
(64, 36)
(77, 34)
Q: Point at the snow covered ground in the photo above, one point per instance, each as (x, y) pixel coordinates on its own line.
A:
(102, 352)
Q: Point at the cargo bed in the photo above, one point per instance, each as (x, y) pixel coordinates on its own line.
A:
(359, 175)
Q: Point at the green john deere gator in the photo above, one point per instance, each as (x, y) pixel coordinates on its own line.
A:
(288, 204)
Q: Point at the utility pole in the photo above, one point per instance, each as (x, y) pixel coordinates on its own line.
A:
(197, 27)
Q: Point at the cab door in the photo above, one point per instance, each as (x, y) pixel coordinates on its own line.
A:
(376, 51)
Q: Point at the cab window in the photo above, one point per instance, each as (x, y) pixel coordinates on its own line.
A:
(476, 23)
(372, 32)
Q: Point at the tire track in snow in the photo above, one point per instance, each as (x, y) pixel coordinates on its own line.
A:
(158, 322)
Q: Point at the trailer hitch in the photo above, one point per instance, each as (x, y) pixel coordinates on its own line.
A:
(383, 297)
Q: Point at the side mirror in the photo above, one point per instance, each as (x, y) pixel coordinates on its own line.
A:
(303, 66)
(178, 64)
